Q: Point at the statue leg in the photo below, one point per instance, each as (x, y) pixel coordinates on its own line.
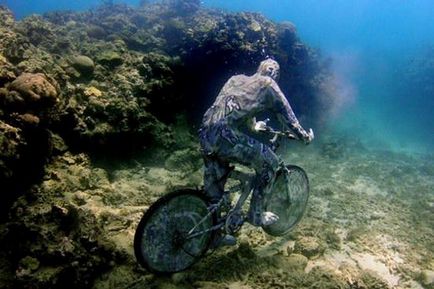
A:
(214, 178)
(260, 157)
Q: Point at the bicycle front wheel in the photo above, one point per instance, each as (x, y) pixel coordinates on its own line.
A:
(164, 241)
(288, 199)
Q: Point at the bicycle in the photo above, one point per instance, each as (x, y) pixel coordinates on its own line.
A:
(179, 228)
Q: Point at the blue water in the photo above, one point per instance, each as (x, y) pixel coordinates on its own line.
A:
(371, 42)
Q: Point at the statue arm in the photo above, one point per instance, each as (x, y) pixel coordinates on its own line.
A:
(285, 115)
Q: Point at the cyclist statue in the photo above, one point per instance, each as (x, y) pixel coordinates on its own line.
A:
(180, 227)
(228, 129)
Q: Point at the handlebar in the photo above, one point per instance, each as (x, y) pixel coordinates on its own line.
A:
(278, 133)
(261, 126)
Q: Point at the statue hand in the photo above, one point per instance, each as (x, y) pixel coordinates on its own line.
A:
(309, 137)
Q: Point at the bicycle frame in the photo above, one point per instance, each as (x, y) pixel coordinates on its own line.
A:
(245, 187)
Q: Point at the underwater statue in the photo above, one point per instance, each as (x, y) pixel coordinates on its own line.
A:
(227, 129)
(180, 227)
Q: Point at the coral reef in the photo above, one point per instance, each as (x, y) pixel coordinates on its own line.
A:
(96, 113)
(112, 80)
(34, 87)
(46, 234)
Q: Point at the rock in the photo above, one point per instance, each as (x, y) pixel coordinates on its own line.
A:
(110, 59)
(58, 144)
(27, 119)
(35, 87)
(427, 278)
(309, 247)
(297, 262)
(83, 64)
(246, 251)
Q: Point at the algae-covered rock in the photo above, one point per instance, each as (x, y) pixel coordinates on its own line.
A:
(427, 278)
(68, 240)
(309, 247)
(297, 262)
(110, 59)
(84, 64)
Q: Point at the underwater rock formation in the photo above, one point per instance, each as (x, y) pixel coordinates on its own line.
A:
(148, 66)
(57, 244)
(34, 88)
(83, 64)
(111, 83)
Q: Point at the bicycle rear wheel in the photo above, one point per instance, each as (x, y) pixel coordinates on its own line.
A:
(288, 199)
(160, 242)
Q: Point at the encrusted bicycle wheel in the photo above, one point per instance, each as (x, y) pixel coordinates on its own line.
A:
(164, 241)
(288, 199)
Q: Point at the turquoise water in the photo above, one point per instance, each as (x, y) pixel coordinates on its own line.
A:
(376, 47)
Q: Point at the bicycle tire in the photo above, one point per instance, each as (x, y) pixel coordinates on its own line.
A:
(168, 218)
(287, 198)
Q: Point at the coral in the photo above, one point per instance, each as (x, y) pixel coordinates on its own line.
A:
(67, 246)
(6, 17)
(35, 88)
(10, 142)
(83, 64)
(108, 84)
(92, 91)
(7, 72)
(36, 30)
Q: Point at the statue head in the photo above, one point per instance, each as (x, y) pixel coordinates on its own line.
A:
(269, 67)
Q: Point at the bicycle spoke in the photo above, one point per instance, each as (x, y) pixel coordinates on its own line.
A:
(161, 242)
(288, 199)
